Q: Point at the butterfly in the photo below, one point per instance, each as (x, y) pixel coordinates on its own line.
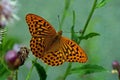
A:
(49, 45)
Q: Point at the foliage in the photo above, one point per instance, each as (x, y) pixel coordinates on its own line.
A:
(41, 71)
(87, 69)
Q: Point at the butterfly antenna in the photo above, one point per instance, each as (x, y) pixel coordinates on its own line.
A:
(59, 22)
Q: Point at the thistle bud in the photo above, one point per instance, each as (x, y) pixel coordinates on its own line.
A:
(12, 59)
(15, 59)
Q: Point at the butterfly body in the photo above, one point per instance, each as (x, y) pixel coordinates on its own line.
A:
(51, 46)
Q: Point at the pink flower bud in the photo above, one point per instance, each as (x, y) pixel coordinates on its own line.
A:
(12, 59)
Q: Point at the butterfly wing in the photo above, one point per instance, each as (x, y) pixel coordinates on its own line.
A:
(42, 34)
(37, 46)
(72, 51)
(54, 56)
(39, 27)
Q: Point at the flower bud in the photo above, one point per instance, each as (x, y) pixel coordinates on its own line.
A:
(23, 54)
(116, 65)
(15, 59)
(12, 59)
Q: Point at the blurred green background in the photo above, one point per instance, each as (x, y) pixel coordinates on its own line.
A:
(101, 50)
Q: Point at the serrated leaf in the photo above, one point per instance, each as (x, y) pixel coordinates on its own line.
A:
(87, 69)
(90, 35)
(41, 71)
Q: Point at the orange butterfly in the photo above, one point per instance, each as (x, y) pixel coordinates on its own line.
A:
(51, 46)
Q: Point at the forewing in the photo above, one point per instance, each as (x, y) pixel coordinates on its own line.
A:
(42, 34)
(39, 27)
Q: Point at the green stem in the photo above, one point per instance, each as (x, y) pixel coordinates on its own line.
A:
(89, 18)
(118, 75)
(67, 4)
(16, 75)
(29, 74)
(67, 71)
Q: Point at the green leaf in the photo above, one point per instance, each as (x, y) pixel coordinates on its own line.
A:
(40, 70)
(90, 35)
(101, 3)
(87, 69)
(74, 36)
(3, 71)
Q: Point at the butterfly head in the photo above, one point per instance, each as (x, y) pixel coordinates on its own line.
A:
(60, 32)
(58, 35)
